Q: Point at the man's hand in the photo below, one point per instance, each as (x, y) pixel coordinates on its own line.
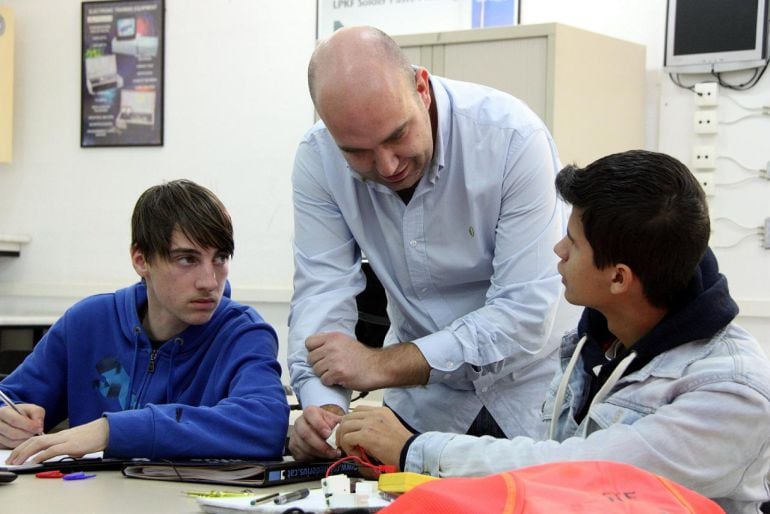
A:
(339, 359)
(376, 431)
(311, 429)
(16, 428)
(75, 442)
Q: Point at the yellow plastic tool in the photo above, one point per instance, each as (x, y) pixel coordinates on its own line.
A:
(401, 482)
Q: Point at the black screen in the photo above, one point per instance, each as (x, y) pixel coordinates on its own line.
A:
(706, 26)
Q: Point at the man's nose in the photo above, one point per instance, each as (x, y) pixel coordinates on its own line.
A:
(386, 162)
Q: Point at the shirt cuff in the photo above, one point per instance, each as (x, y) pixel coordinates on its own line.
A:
(404, 451)
(424, 453)
(444, 355)
(313, 392)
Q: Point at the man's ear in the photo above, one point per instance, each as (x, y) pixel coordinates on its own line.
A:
(622, 280)
(422, 83)
(139, 261)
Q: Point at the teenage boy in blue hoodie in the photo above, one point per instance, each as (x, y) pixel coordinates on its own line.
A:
(656, 375)
(167, 368)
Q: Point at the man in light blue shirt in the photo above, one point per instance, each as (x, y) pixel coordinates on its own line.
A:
(446, 187)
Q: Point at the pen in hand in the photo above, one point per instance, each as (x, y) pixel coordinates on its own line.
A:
(6, 400)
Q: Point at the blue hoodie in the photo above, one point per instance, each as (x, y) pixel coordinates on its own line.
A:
(214, 390)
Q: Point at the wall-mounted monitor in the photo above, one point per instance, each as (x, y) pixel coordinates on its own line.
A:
(704, 36)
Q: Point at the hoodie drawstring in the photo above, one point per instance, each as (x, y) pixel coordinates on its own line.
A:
(562, 390)
(609, 384)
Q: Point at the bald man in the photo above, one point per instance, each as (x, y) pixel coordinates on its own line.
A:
(446, 188)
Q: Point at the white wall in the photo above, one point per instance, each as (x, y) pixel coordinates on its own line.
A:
(235, 106)
(669, 129)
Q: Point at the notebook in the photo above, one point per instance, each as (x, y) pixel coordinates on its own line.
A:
(90, 461)
(236, 472)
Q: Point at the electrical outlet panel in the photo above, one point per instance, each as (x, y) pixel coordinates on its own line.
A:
(705, 122)
(704, 158)
(706, 94)
(707, 182)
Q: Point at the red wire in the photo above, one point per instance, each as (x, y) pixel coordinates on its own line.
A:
(364, 460)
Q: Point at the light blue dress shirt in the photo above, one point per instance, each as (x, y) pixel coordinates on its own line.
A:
(467, 264)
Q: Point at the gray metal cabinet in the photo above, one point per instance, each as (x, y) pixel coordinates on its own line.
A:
(588, 88)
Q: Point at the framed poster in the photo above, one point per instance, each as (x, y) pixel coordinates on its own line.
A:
(122, 73)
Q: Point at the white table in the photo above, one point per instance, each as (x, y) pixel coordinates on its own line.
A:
(109, 492)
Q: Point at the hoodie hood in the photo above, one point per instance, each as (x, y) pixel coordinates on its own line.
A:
(132, 300)
(705, 309)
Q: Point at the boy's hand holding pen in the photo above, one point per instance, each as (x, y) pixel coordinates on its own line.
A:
(19, 422)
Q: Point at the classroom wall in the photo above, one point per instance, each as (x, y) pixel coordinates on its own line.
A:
(738, 208)
(235, 107)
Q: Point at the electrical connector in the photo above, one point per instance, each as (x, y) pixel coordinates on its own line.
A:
(706, 181)
(705, 122)
(704, 158)
(706, 94)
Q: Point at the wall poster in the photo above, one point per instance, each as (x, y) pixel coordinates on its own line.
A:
(122, 73)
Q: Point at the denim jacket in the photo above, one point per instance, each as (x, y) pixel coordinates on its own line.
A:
(698, 414)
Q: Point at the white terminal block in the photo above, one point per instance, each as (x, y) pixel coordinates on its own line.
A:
(704, 158)
(705, 122)
(369, 487)
(335, 484)
(336, 490)
(706, 94)
(707, 182)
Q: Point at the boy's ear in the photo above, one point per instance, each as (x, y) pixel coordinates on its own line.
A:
(139, 261)
(622, 279)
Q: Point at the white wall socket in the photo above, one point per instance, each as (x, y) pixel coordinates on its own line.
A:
(705, 122)
(706, 182)
(704, 158)
(706, 94)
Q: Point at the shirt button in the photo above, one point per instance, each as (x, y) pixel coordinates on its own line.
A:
(484, 389)
(450, 364)
(447, 376)
(423, 289)
(412, 243)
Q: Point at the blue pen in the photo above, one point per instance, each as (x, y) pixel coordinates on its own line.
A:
(78, 476)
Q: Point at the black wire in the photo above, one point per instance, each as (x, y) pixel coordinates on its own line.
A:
(678, 82)
(753, 81)
(755, 77)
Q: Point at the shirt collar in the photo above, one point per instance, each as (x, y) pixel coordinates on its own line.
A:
(443, 117)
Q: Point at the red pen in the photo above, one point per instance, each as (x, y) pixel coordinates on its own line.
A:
(50, 474)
